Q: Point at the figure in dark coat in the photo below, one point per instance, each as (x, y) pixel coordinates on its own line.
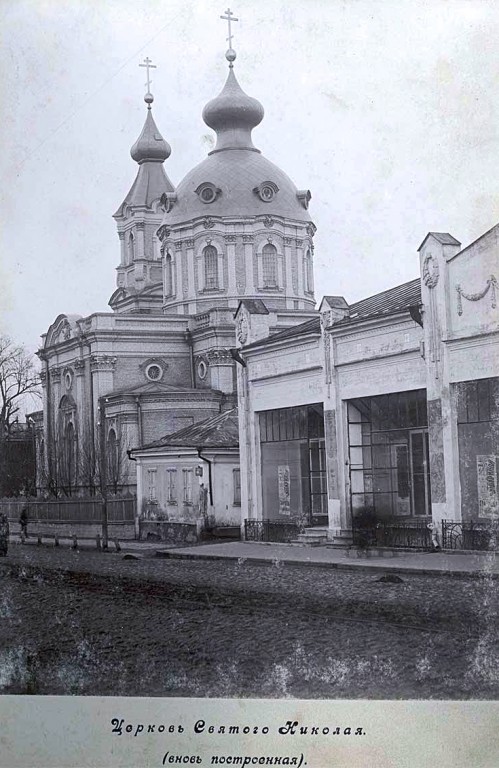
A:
(23, 522)
(4, 534)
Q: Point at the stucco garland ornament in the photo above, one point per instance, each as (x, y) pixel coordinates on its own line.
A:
(431, 271)
(491, 285)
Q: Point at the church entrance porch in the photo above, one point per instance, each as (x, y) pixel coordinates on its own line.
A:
(293, 456)
(389, 463)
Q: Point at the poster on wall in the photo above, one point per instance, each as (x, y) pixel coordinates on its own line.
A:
(283, 475)
(488, 499)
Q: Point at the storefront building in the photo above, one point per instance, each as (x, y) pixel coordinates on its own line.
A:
(389, 405)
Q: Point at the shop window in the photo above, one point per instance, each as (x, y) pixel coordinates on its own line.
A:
(236, 483)
(389, 454)
(210, 257)
(187, 475)
(171, 486)
(294, 475)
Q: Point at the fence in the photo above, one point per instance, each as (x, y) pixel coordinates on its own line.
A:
(388, 533)
(74, 510)
(270, 530)
(468, 534)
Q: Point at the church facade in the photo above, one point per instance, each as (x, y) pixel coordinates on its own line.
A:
(161, 360)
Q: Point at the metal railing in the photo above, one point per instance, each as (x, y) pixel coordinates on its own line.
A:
(74, 510)
(469, 534)
(390, 533)
(270, 530)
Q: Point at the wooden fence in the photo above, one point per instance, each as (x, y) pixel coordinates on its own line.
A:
(73, 510)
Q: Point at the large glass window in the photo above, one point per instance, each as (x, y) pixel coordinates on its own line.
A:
(389, 454)
(210, 256)
(294, 464)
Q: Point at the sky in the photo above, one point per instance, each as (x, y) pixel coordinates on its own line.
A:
(388, 111)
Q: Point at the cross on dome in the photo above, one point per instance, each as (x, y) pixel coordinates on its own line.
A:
(148, 98)
(230, 54)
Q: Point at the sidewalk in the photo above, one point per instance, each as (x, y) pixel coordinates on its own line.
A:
(436, 563)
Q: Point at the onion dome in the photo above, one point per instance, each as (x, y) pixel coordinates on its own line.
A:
(232, 115)
(240, 182)
(149, 151)
(150, 147)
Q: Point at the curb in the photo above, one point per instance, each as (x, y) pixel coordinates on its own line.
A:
(395, 568)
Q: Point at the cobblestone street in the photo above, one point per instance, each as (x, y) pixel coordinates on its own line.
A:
(101, 624)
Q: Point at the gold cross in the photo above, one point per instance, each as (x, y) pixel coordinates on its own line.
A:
(148, 65)
(229, 17)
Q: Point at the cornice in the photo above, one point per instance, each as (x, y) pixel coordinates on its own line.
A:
(102, 362)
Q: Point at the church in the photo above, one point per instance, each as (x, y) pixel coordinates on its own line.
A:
(220, 396)
(162, 359)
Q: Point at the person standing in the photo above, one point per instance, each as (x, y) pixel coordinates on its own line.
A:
(4, 534)
(23, 522)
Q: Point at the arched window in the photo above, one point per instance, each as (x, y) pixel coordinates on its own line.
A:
(210, 256)
(309, 273)
(269, 259)
(112, 456)
(168, 275)
(70, 455)
(131, 248)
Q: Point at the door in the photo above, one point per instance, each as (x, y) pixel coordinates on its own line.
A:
(420, 472)
(318, 482)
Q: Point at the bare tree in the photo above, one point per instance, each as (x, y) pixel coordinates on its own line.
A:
(117, 461)
(85, 480)
(18, 380)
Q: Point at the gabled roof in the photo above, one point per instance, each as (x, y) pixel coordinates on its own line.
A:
(220, 431)
(334, 302)
(387, 302)
(443, 237)
(254, 307)
(311, 326)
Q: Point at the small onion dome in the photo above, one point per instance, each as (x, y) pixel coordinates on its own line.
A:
(233, 114)
(150, 146)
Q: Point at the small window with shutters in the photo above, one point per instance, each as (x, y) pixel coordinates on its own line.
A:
(187, 475)
(171, 486)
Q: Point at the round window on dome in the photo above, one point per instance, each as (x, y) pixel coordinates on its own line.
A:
(154, 372)
(207, 192)
(207, 195)
(266, 191)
